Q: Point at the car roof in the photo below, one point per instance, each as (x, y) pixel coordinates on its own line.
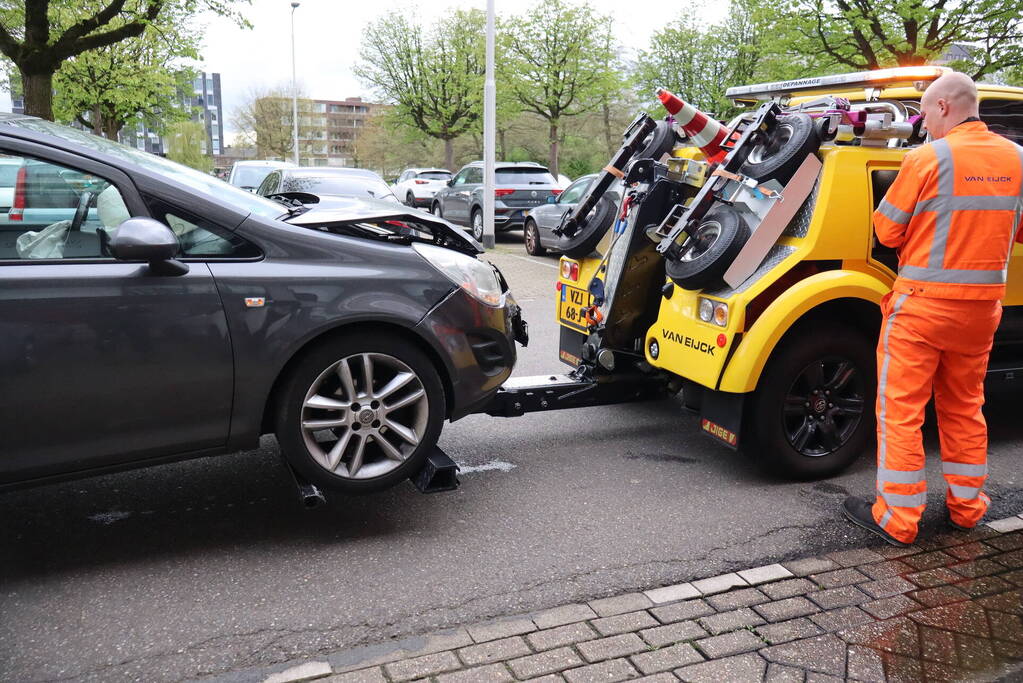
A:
(327, 171)
(264, 162)
(427, 170)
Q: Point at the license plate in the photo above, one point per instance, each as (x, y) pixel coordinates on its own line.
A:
(570, 306)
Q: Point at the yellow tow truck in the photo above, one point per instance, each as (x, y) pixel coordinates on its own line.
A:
(772, 344)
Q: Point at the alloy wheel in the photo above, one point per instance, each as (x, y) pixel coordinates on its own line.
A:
(477, 226)
(364, 415)
(770, 147)
(698, 245)
(823, 406)
(532, 238)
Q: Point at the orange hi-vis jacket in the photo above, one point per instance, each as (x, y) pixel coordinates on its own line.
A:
(953, 213)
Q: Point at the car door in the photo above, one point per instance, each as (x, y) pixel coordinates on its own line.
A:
(455, 202)
(102, 361)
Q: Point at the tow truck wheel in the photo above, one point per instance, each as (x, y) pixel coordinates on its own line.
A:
(706, 255)
(359, 413)
(794, 137)
(591, 230)
(813, 413)
(531, 237)
(659, 142)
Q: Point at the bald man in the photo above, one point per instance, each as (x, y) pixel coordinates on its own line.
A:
(952, 213)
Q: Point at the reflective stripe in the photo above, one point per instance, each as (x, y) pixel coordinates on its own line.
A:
(1019, 209)
(964, 469)
(885, 517)
(946, 188)
(893, 212)
(901, 500)
(899, 477)
(882, 383)
(971, 203)
(954, 275)
(964, 492)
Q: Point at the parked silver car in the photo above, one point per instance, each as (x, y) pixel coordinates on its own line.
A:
(321, 180)
(540, 222)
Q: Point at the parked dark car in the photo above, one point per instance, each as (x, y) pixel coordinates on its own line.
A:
(322, 180)
(537, 232)
(175, 316)
(518, 188)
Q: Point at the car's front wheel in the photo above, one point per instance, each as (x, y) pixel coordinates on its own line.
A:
(813, 412)
(531, 237)
(360, 413)
(436, 210)
(477, 225)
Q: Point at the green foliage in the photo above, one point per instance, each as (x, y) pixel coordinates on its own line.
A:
(265, 121)
(38, 36)
(185, 142)
(434, 77)
(866, 34)
(558, 61)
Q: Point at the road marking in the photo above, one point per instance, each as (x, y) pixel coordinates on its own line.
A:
(499, 465)
(529, 260)
(110, 517)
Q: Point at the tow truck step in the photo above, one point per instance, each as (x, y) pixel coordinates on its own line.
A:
(521, 395)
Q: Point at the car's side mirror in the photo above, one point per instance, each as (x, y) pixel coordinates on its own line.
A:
(451, 182)
(145, 239)
(552, 199)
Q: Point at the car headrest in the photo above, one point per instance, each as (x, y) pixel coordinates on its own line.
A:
(111, 209)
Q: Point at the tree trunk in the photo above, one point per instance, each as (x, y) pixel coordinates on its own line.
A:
(607, 129)
(112, 128)
(552, 161)
(97, 119)
(501, 149)
(38, 91)
(449, 154)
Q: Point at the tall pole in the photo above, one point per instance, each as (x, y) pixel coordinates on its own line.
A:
(294, 89)
(489, 130)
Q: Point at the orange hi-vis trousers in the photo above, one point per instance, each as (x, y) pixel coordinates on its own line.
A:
(941, 345)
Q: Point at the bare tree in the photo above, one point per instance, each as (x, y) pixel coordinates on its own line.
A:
(264, 121)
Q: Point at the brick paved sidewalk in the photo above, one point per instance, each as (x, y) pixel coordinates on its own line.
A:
(948, 609)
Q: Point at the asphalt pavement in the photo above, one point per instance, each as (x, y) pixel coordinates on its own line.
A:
(202, 567)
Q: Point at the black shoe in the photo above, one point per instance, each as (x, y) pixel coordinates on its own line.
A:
(858, 511)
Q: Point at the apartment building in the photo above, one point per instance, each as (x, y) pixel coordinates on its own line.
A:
(328, 129)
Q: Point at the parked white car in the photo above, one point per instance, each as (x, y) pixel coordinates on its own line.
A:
(417, 186)
(249, 174)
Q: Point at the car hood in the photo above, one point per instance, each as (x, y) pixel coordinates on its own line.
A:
(373, 217)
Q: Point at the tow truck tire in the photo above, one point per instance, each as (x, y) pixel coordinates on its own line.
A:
(794, 137)
(797, 430)
(719, 238)
(659, 143)
(308, 447)
(591, 231)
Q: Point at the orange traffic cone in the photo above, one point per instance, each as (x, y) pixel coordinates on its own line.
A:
(705, 132)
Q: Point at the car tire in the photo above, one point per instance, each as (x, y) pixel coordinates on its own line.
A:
(393, 443)
(794, 138)
(476, 224)
(660, 142)
(799, 434)
(591, 231)
(705, 257)
(531, 238)
(436, 210)
(410, 200)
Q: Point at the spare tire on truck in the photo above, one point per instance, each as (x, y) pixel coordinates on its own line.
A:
(590, 231)
(660, 142)
(795, 136)
(705, 256)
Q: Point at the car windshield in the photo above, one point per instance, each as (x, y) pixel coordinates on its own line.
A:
(434, 175)
(217, 189)
(523, 175)
(352, 186)
(250, 176)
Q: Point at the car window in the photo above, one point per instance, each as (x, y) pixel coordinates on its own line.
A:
(247, 177)
(40, 223)
(434, 175)
(1004, 117)
(269, 184)
(574, 192)
(351, 186)
(524, 175)
(460, 178)
(200, 238)
(475, 176)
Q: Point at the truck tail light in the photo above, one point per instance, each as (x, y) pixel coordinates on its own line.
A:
(502, 193)
(18, 204)
(570, 271)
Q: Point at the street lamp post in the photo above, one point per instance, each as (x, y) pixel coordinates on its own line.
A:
(294, 89)
(489, 126)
